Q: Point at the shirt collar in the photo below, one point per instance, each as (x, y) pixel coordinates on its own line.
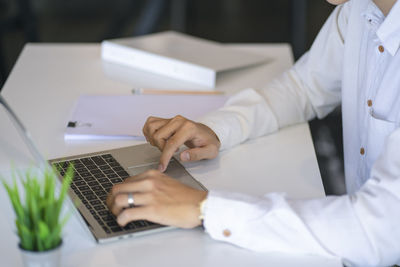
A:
(387, 29)
(373, 16)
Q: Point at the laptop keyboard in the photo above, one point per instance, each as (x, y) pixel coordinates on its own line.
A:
(93, 179)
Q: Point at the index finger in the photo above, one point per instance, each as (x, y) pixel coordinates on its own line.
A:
(173, 144)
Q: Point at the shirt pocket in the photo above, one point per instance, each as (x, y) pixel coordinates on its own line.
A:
(379, 129)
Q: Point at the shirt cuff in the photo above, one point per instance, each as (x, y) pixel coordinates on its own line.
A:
(217, 121)
(245, 115)
(221, 213)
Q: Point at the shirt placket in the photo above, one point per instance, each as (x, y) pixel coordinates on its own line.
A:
(376, 71)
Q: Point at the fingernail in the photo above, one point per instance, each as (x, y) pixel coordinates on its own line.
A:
(185, 156)
(161, 167)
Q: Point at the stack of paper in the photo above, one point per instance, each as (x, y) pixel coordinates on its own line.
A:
(123, 117)
(178, 56)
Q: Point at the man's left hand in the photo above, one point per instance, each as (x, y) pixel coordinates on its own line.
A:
(157, 198)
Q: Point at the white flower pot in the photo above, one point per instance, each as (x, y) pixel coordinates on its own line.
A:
(49, 258)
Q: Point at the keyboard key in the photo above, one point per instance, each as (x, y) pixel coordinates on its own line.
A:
(101, 193)
(83, 187)
(112, 175)
(123, 174)
(91, 167)
(87, 192)
(129, 226)
(104, 213)
(107, 186)
(118, 169)
(114, 164)
(76, 162)
(95, 171)
(81, 169)
(116, 229)
(99, 175)
(65, 164)
(95, 202)
(90, 197)
(99, 207)
(98, 160)
(140, 224)
(109, 171)
(79, 183)
(87, 161)
(112, 224)
(105, 168)
(108, 218)
(106, 156)
(77, 178)
(93, 212)
(110, 160)
(116, 180)
(79, 166)
(97, 188)
(93, 183)
(90, 179)
(105, 228)
(103, 198)
(85, 174)
(104, 180)
(76, 190)
(100, 221)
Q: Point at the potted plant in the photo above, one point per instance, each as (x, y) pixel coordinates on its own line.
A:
(38, 215)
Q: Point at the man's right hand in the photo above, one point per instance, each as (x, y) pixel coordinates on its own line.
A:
(169, 134)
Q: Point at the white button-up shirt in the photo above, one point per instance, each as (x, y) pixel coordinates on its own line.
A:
(355, 61)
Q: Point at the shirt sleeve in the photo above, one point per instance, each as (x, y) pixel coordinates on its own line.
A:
(362, 229)
(310, 88)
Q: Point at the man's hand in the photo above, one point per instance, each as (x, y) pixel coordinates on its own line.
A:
(157, 198)
(169, 134)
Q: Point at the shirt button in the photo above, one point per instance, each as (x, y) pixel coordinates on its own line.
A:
(369, 103)
(227, 233)
(381, 48)
(362, 151)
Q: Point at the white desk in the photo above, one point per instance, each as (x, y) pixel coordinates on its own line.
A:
(42, 88)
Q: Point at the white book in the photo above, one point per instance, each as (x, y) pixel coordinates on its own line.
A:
(178, 56)
(107, 117)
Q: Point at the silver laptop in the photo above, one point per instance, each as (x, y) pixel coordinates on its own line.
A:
(96, 173)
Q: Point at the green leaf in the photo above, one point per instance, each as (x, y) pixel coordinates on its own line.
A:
(43, 230)
(27, 238)
(38, 217)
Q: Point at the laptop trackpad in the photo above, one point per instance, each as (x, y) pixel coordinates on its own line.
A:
(135, 170)
(174, 170)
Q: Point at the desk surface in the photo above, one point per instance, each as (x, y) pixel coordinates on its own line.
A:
(42, 88)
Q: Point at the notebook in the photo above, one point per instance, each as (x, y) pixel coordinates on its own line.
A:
(99, 117)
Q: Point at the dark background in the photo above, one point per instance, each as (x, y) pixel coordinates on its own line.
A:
(235, 21)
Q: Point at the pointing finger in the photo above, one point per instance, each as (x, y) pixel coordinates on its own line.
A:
(180, 137)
